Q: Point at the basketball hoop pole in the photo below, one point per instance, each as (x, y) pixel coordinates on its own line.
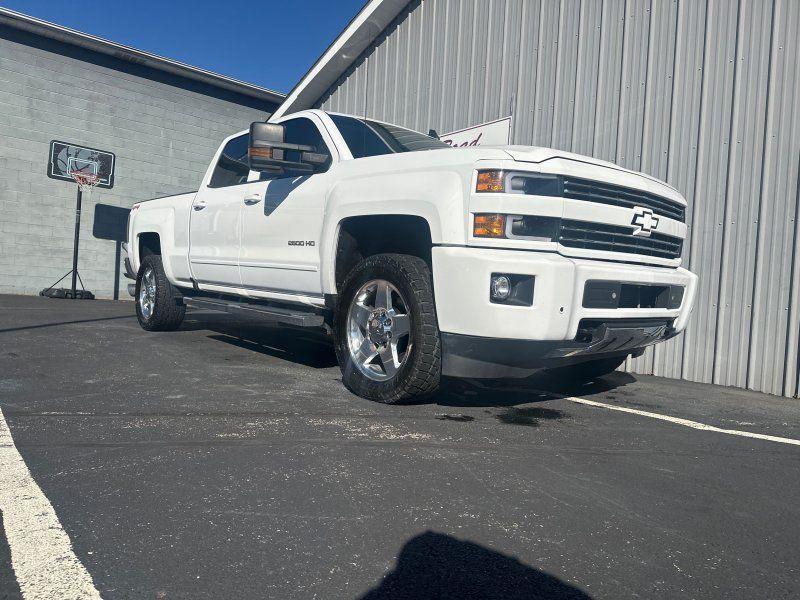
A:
(85, 182)
(76, 240)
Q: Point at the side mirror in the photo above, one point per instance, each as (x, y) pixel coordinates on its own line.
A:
(269, 152)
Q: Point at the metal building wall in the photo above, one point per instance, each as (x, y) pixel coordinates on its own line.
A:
(704, 94)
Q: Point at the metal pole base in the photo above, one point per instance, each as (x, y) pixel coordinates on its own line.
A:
(67, 293)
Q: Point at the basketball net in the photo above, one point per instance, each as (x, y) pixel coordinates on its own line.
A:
(85, 180)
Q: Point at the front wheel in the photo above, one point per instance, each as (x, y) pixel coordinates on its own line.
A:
(158, 303)
(387, 335)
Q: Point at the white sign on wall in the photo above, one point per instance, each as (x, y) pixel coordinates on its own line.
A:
(493, 133)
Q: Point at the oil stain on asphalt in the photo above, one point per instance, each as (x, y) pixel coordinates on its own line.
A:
(529, 417)
(459, 418)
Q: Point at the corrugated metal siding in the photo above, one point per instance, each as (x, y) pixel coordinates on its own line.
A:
(701, 93)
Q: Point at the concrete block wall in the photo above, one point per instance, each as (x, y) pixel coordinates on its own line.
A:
(162, 128)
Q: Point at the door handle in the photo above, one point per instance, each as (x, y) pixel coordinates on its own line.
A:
(199, 205)
(253, 199)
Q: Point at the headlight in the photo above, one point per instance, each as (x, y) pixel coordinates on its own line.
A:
(531, 227)
(523, 227)
(539, 184)
(496, 181)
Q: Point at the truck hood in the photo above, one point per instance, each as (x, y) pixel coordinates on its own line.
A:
(539, 155)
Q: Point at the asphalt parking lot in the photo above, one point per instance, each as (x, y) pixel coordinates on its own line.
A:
(226, 460)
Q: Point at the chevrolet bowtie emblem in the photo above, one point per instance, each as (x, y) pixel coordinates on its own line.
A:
(644, 221)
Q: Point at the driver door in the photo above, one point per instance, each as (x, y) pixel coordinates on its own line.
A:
(282, 222)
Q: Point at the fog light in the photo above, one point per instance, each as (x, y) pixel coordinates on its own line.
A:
(500, 287)
(511, 290)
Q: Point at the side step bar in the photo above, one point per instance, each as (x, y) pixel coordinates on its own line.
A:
(298, 318)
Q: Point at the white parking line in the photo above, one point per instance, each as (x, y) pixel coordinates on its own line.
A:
(41, 552)
(686, 422)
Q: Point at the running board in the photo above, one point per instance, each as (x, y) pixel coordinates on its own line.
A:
(299, 318)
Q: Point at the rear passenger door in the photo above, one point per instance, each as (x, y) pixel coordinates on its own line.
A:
(216, 219)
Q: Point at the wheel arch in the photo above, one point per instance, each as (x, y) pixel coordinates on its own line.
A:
(149, 242)
(360, 236)
(154, 231)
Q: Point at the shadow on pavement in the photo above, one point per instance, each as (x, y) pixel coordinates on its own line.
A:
(312, 348)
(309, 347)
(434, 565)
(511, 392)
(59, 324)
(9, 588)
(283, 345)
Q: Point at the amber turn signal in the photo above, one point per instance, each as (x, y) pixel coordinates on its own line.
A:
(490, 181)
(490, 226)
(260, 152)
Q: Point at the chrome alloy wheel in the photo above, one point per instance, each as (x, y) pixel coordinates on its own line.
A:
(147, 293)
(379, 330)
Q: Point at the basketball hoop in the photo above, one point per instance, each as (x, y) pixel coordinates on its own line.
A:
(85, 180)
(90, 168)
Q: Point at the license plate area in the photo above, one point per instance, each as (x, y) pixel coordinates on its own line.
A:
(617, 294)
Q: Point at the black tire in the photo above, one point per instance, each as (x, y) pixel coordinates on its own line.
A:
(420, 373)
(589, 370)
(168, 310)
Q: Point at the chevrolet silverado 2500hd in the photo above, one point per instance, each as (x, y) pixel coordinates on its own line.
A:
(423, 261)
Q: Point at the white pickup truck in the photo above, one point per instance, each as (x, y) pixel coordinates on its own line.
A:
(421, 260)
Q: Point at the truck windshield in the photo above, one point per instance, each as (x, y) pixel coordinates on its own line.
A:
(370, 138)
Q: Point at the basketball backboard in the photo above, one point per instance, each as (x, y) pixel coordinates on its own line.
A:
(66, 158)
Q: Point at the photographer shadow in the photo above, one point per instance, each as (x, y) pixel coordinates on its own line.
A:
(434, 565)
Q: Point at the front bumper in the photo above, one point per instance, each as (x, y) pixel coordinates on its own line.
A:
(554, 329)
(489, 358)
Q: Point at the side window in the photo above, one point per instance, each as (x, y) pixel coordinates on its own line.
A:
(232, 167)
(301, 131)
(360, 138)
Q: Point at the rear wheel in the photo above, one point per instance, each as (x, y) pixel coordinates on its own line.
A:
(158, 303)
(589, 370)
(387, 336)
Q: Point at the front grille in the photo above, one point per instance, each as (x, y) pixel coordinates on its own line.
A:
(613, 238)
(617, 195)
